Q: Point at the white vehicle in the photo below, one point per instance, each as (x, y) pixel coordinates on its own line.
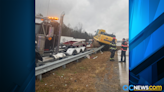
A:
(59, 55)
(74, 51)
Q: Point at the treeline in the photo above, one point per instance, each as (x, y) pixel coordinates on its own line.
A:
(76, 32)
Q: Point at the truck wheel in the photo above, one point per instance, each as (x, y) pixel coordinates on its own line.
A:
(60, 58)
(74, 52)
(81, 51)
(84, 50)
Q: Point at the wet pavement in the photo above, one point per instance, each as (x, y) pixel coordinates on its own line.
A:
(123, 69)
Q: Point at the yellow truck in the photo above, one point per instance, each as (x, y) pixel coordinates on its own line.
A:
(102, 38)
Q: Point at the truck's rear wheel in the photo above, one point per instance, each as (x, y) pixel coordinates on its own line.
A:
(81, 51)
(84, 50)
(74, 52)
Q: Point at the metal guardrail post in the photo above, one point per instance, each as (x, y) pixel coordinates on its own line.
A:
(39, 77)
(77, 61)
(64, 66)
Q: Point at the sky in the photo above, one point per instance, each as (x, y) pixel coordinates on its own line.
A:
(110, 15)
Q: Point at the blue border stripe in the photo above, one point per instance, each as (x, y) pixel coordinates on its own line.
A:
(152, 59)
(147, 31)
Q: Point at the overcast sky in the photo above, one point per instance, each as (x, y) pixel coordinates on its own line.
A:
(110, 15)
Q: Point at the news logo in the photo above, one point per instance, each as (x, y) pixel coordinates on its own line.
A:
(142, 88)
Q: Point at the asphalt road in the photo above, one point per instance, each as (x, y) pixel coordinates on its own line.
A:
(123, 70)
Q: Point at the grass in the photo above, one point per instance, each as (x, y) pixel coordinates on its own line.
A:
(41, 81)
(82, 68)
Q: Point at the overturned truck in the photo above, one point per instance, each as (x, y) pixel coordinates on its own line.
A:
(102, 38)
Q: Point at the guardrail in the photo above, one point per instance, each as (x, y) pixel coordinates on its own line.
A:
(50, 66)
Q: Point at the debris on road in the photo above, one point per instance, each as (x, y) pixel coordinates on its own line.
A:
(101, 52)
(95, 57)
(88, 56)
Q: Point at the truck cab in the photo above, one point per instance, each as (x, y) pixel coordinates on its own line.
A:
(45, 34)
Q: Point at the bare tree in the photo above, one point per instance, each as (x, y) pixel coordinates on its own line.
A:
(76, 32)
(80, 26)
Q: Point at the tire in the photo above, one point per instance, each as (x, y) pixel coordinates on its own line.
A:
(74, 52)
(60, 58)
(84, 50)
